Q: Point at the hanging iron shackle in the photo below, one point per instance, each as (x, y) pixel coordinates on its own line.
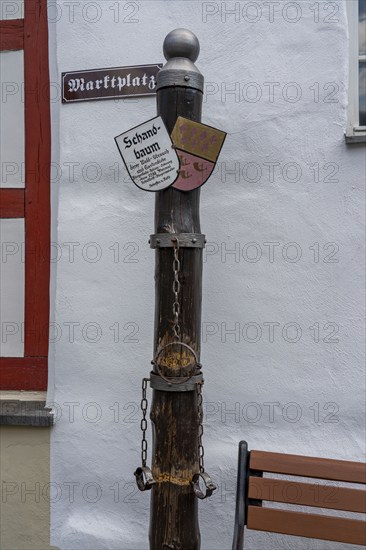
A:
(144, 478)
(210, 487)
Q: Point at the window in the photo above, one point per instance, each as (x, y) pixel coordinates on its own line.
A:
(25, 197)
(356, 130)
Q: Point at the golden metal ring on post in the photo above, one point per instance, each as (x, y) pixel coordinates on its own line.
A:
(173, 380)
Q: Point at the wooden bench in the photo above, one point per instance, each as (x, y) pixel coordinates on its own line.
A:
(253, 490)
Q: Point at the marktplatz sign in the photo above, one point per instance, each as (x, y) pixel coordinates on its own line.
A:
(114, 83)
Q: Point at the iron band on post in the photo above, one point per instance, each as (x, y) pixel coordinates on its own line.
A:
(186, 240)
(180, 77)
(159, 383)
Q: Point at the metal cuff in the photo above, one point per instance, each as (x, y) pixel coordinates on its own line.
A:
(210, 487)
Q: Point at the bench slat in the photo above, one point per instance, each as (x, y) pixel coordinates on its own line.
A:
(306, 466)
(307, 525)
(307, 494)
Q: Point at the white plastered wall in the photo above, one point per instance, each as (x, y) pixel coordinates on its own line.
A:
(290, 377)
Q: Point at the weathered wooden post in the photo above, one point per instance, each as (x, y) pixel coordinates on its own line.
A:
(174, 155)
(175, 414)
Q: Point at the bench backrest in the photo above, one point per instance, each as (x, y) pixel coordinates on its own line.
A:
(253, 489)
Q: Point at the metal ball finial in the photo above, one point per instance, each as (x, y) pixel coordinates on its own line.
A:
(181, 43)
(181, 48)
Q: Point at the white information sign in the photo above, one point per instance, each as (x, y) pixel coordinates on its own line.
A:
(149, 155)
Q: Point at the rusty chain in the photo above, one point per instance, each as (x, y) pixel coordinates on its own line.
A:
(201, 450)
(176, 290)
(144, 405)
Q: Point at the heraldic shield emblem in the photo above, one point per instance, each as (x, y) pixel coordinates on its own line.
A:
(149, 155)
(198, 147)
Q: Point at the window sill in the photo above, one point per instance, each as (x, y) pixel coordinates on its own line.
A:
(355, 139)
(25, 409)
(357, 135)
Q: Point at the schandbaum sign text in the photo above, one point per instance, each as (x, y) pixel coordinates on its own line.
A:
(114, 83)
(149, 155)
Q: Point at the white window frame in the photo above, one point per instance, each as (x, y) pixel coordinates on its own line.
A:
(355, 133)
